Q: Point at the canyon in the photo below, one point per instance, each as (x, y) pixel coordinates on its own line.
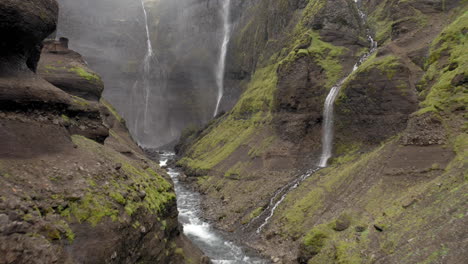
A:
(200, 131)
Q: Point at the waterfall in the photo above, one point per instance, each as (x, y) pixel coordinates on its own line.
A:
(327, 137)
(222, 55)
(147, 67)
(327, 128)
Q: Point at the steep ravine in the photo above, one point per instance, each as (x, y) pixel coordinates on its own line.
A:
(218, 246)
(393, 190)
(75, 188)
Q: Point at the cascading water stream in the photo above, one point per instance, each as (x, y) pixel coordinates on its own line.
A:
(328, 128)
(209, 240)
(327, 137)
(222, 55)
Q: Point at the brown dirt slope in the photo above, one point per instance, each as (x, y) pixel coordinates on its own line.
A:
(394, 191)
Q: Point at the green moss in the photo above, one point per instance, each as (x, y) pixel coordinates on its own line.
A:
(27, 217)
(85, 74)
(259, 94)
(98, 204)
(179, 251)
(80, 101)
(236, 170)
(382, 19)
(444, 95)
(300, 208)
(388, 65)
(252, 215)
(311, 10)
(136, 225)
(328, 57)
(248, 116)
(257, 151)
(91, 209)
(163, 225)
(65, 118)
(254, 110)
(323, 53)
(118, 197)
(67, 231)
(315, 240)
(112, 110)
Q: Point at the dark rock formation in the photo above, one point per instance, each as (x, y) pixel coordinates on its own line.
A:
(63, 199)
(68, 71)
(24, 24)
(376, 102)
(298, 99)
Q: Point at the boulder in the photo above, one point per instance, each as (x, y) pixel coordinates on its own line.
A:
(23, 26)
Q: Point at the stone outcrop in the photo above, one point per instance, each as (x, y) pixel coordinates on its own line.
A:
(75, 186)
(68, 71)
(24, 25)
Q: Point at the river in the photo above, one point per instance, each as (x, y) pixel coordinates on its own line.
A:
(214, 243)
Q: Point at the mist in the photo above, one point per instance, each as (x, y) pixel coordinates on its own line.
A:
(178, 89)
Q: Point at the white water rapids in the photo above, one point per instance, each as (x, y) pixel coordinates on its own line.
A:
(209, 240)
(222, 55)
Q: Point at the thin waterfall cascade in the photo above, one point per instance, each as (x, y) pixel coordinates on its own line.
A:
(223, 51)
(147, 92)
(147, 66)
(327, 137)
(279, 196)
(328, 128)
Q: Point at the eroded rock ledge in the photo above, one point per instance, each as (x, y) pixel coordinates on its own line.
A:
(75, 187)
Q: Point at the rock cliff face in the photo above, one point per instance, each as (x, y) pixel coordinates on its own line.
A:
(75, 187)
(393, 192)
(185, 36)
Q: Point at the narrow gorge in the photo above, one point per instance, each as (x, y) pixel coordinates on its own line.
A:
(233, 131)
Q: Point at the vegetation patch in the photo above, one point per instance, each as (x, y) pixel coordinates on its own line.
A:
(448, 92)
(112, 110)
(85, 74)
(145, 189)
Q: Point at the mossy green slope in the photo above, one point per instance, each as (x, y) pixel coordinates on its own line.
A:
(409, 216)
(253, 113)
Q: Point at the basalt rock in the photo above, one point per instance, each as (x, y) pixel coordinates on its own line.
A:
(63, 199)
(299, 99)
(376, 102)
(68, 71)
(23, 25)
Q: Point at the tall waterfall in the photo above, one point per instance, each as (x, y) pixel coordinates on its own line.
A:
(327, 139)
(327, 129)
(147, 68)
(222, 55)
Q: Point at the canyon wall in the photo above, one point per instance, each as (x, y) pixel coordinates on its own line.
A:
(393, 192)
(75, 186)
(186, 39)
